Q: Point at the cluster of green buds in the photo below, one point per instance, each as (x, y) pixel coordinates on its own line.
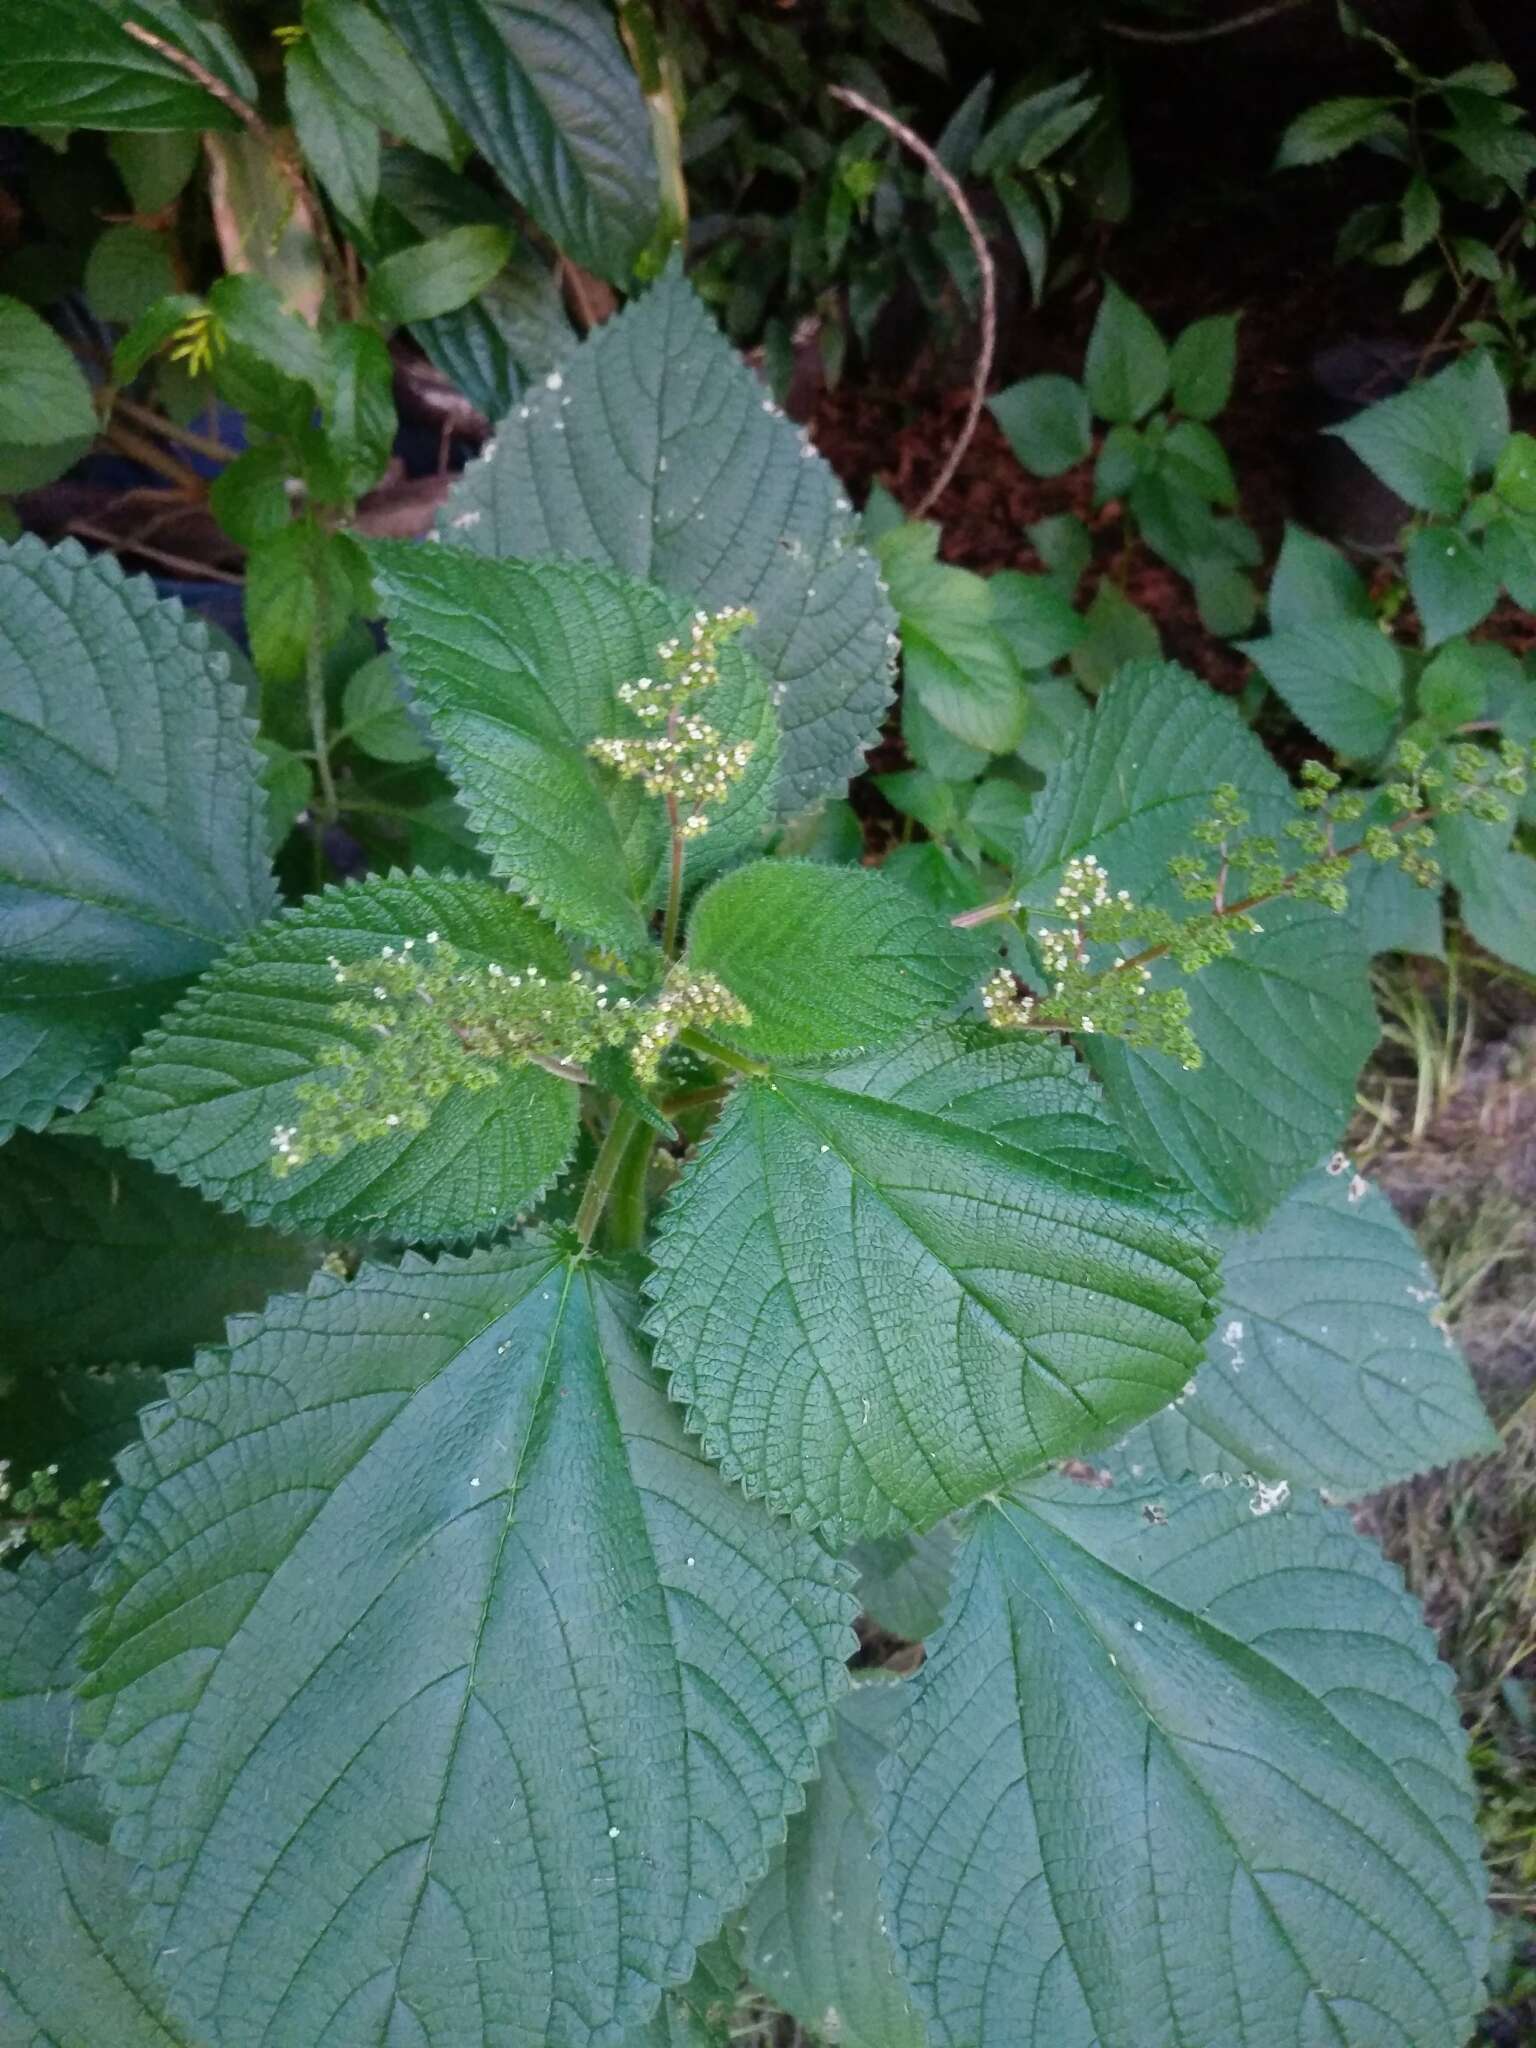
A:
(429, 1021)
(690, 763)
(687, 999)
(1463, 779)
(39, 1512)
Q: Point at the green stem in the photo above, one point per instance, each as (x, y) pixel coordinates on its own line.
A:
(314, 678)
(604, 1172)
(696, 1041)
(627, 1216)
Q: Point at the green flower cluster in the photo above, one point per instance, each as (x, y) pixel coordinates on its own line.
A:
(40, 1513)
(687, 1000)
(690, 763)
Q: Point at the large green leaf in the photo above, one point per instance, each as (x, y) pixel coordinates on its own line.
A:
(1284, 1024)
(815, 1931)
(74, 1972)
(1181, 1769)
(106, 1260)
(517, 666)
(544, 90)
(70, 65)
(655, 450)
(453, 1696)
(829, 960)
(132, 826)
(1343, 678)
(883, 1289)
(203, 1095)
(1331, 1363)
(1427, 443)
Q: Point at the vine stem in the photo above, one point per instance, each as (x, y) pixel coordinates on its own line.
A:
(604, 1172)
(1131, 33)
(950, 186)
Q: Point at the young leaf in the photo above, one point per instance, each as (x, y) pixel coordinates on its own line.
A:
(1046, 422)
(545, 92)
(1202, 364)
(1314, 583)
(69, 65)
(132, 830)
(74, 1971)
(1342, 678)
(109, 1261)
(955, 662)
(1126, 367)
(374, 714)
(204, 1094)
(1332, 126)
(829, 960)
(517, 666)
(1330, 1364)
(1452, 586)
(438, 275)
(904, 1579)
(883, 1289)
(44, 397)
(815, 1938)
(323, 1743)
(651, 446)
(1211, 1790)
(1285, 1023)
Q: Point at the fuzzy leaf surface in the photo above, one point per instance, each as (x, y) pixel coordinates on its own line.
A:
(1331, 1364)
(829, 960)
(107, 1260)
(1285, 1023)
(74, 1972)
(883, 1289)
(1183, 1774)
(517, 667)
(656, 451)
(203, 1094)
(132, 825)
(815, 1930)
(452, 1696)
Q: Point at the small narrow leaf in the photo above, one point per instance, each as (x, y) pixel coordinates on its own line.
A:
(517, 666)
(656, 451)
(829, 960)
(132, 827)
(204, 1094)
(1331, 1363)
(884, 1289)
(1181, 1767)
(816, 1939)
(346, 1795)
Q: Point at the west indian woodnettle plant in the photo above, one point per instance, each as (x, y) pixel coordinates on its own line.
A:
(645, 1248)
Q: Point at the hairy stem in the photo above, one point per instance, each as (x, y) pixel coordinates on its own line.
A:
(314, 679)
(627, 1211)
(605, 1170)
(697, 1041)
(674, 913)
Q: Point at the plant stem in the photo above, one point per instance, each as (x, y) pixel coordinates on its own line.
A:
(604, 1172)
(696, 1041)
(314, 677)
(169, 430)
(674, 882)
(178, 565)
(627, 1216)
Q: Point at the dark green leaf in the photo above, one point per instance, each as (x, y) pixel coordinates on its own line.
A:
(904, 1579)
(340, 145)
(1495, 886)
(829, 960)
(1452, 586)
(517, 666)
(128, 270)
(271, 363)
(1225, 597)
(1284, 1023)
(149, 334)
(1343, 679)
(367, 64)
(74, 1972)
(290, 1631)
(1046, 423)
(70, 65)
(44, 397)
(1332, 126)
(1314, 583)
(547, 94)
(1193, 455)
(358, 413)
(1126, 369)
(203, 1095)
(132, 840)
(249, 497)
(1331, 1363)
(815, 1937)
(374, 714)
(1212, 1789)
(1454, 686)
(110, 1261)
(1202, 364)
(1427, 443)
(949, 1270)
(1117, 631)
(155, 167)
(437, 276)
